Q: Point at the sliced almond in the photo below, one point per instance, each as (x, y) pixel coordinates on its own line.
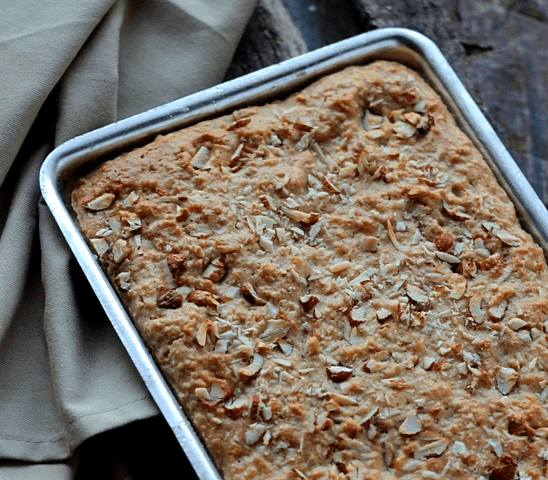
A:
(121, 249)
(416, 294)
(301, 127)
(201, 393)
(432, 449)
(474, 305)
(358, 314)
(203, 299)
(215, 270)
(392, 234)
(372, 121)
(411, 425)
(254, 433)
(100, 245)
(249, 293)
(101, 202)
(220, 390)
(309, 302)
(337, 373)
(299, 216)
(275, 328)
(340, 266)
(236, 407)
(508, 239)
(285, 347)
(131, 199)
(329, 186)
(447, 257)
(201, 334)
(516, 323)
(201, 157)
(455, 213)
(243, 122)
(383, 314)
(458, 291)
(122, 281)
(254, 367)
(506, 380)
(403, 130)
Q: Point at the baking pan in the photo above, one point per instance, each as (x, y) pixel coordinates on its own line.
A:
(408, 47)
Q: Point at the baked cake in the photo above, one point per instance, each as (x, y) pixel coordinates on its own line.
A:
(334, 285)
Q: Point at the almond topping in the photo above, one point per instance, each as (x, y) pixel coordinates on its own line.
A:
(392, 234)
(299, 216)
(120, 250)
(340, 267)
(100, 245)
(276, 328)
(309, 302)
(235, 408)
(215, 270)
(411, 425)
(203, 299)
(474, 306)
(509, 239)
(248, 292)
(432, 449)
(176, 265)
(506, 379)
(301, 127)
(497, 311)
(254, 434)
(416, 294)
(201, 157)
(254, 367)
(444, 242)
(102, 202)
(122, 280)
(516, 323)
(168, 298)
(447, 257)
(239, 124)
(337, 373)
(329, 186)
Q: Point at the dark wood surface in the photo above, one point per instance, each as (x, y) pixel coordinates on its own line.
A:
(499, 48)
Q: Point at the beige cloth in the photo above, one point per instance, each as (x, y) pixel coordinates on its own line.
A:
(68, 67)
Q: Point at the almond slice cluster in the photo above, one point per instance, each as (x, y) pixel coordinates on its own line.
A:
(334, 285)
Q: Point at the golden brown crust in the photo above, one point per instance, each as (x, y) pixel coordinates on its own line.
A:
(335, 285)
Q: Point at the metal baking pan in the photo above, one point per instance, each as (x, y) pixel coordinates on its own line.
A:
(408, 47)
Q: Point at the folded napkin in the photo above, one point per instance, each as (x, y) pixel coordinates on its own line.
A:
(69, 67)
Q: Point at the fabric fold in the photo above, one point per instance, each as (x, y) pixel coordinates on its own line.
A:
(70, 67)
(38, 41)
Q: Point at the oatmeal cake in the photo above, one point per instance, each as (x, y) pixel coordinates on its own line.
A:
(334, 285)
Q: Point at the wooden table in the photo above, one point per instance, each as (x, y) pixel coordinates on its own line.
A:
(499, 48)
